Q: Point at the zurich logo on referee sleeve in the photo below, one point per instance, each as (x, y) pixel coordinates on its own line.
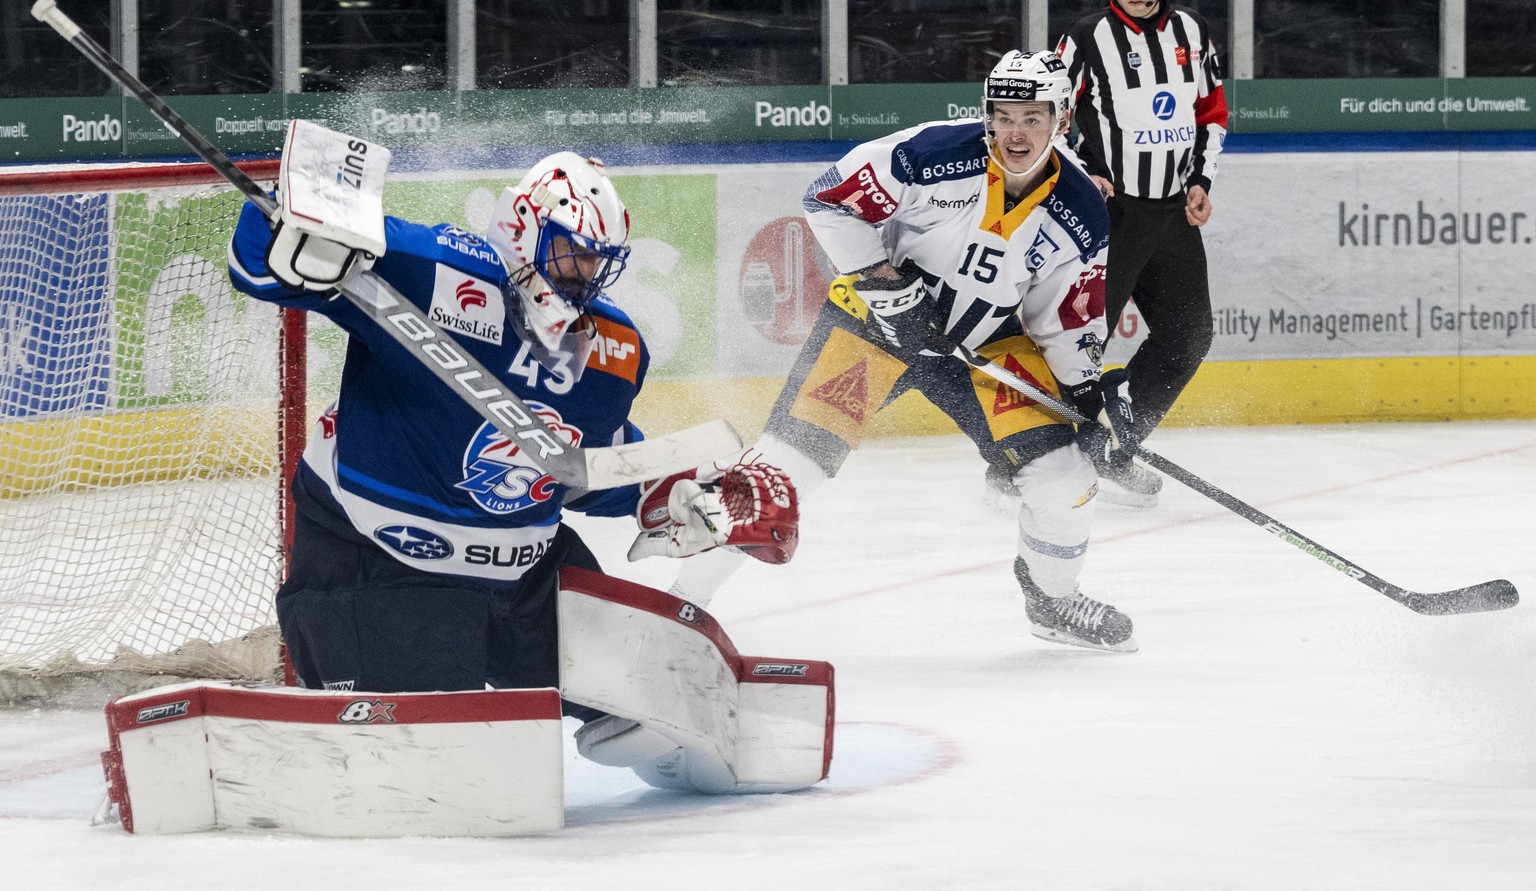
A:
(1163, 105)
(414, 542)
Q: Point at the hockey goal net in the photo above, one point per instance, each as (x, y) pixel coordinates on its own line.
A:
(150, 416)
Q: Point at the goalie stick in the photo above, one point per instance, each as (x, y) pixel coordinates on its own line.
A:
(578, 468)
(1494, 595)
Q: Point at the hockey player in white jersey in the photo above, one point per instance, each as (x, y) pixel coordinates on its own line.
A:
(985, 233)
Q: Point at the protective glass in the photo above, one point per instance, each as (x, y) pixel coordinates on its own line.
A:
(578, 268)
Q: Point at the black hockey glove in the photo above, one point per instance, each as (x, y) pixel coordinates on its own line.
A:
(1109, 436)
(899, 308)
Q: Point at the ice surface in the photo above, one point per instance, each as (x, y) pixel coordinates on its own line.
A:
(1282, 727)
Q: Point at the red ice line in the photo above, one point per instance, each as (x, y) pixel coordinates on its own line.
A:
(40, 769)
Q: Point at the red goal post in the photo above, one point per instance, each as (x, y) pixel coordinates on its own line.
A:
(150, 419)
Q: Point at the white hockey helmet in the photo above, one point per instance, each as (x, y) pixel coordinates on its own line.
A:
(1028, 77)
(561, 233)
(1025, 77)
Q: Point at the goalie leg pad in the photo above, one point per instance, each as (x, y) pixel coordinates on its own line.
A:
(736, 723)
(1056, 492)
(203, 756)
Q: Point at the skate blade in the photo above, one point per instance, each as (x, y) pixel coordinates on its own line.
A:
(1062, 637)
(1113, 494)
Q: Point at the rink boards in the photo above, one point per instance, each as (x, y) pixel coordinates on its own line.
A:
(1346, 286)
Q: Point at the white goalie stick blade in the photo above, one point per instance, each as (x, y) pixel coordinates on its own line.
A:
(659, 456)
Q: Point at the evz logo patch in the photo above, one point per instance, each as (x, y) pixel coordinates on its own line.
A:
(1038, 252)
(467, 305)
(495, 473)
(863, 195)
(1091, 344)
(414, 542)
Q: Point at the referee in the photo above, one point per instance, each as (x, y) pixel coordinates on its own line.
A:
(1151, 118)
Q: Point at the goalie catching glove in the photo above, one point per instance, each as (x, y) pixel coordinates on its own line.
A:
(750, 507)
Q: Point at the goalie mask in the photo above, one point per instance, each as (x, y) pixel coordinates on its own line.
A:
(1025, 77)
(561, 234)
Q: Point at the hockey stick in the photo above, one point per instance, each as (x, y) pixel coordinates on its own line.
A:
(1497, 594)
(578, 468)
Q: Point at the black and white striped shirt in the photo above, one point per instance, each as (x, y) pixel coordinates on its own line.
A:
(1149, 107)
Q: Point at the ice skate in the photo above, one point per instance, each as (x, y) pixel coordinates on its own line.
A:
(1122, 481)
(1077, 620)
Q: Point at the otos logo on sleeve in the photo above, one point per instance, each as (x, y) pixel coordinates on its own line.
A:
(863, 194)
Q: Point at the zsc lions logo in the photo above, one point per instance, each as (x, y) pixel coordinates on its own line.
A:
(496, 474)
(414, 542)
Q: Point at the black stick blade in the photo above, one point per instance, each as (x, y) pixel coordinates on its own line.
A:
(1486, 597)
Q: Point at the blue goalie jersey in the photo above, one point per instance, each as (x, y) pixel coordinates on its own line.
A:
(413, 467)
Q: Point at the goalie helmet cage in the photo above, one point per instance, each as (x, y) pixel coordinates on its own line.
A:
(150, 419)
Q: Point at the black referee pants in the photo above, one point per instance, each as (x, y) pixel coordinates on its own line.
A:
(1155, 254)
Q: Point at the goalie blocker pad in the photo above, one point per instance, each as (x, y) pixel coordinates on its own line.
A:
(736, 723)
(331, 185)
(202, 756)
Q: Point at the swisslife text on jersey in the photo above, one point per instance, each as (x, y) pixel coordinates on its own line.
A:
(402, 452)
(928, 194)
